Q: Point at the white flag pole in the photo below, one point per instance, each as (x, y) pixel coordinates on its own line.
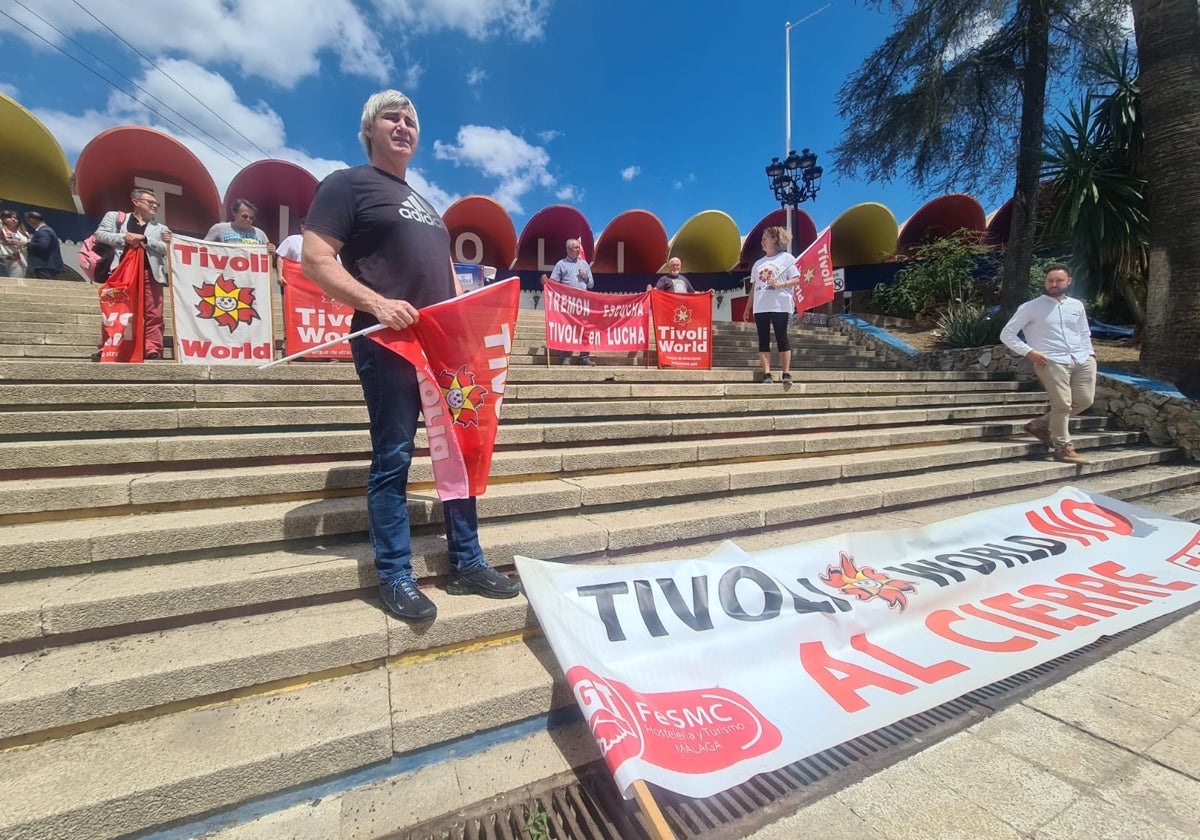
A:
(322, 346)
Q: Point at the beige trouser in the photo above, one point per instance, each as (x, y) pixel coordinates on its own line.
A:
(1071, 388)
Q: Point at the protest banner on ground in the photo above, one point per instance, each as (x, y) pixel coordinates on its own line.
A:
(592, 322)
(311, 317)
(696, 675)
(122, 323)
(682, 329)
(460, 348)
(221, 302)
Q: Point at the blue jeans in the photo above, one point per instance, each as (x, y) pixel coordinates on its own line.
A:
(389, 386)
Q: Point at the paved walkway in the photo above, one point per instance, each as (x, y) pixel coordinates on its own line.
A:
(1110, 753)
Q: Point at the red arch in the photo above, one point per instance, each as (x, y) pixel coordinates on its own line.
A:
(485, 218)
(107, 166)
(645, 241)
(271, 185)
(804, 233)
(940, 218)
(553, 225)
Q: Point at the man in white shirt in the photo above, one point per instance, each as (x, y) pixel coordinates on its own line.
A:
(1058, 341)
(573, 270)
(291, 247)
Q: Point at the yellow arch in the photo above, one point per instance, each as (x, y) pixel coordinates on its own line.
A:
(35, 169)
(865, 234)
(709, 241)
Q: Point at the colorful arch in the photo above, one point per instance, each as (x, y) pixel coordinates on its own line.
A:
(35, 169)
(804, 233)
(542, 240)
(282, 192)
(481, 232)
(635, 242)
(708, 241)
(108, 166)
(865, 234)
(940, 218)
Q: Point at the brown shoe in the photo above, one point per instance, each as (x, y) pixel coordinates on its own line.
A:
(1067, 454)
(1038, 432)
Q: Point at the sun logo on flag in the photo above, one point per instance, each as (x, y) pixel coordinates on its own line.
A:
(866, 584)
(809, 274)
(114, 294)
(462, 395)
(681, 317)
(225, 303)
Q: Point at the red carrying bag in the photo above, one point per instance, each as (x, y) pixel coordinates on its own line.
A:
(121, 310)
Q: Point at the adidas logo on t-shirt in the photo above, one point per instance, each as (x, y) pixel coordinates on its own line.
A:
(415, 208)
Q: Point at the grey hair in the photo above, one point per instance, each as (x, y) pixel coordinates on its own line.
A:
(133, 196)
(383, 101)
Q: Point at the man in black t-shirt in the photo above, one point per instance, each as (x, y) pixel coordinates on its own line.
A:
(395, 259)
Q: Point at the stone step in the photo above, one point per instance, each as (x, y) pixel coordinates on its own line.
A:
(128, 778)
(28, 424)
(111, 493)
(125, 596)
(245, 445)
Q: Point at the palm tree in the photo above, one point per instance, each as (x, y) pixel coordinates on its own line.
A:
(1168, 39)
(1094, 158)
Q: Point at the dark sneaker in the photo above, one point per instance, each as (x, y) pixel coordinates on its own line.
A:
(401, 597)
(1038, 432)
(787, 379)
(152, 357)
(1068, 455)
(768, 378)
(482, 580)
(586, 360)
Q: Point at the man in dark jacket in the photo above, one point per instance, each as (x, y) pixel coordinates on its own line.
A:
(45, 256)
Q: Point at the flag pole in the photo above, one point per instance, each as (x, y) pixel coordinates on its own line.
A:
(322, 346)
(659, 829)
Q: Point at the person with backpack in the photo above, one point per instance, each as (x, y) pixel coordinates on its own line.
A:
(139, 229)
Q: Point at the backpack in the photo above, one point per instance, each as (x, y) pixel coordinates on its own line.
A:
(95, 258)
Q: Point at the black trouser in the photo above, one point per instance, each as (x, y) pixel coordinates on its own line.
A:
(779, 320)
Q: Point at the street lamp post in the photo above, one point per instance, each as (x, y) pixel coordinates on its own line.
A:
(797, 178)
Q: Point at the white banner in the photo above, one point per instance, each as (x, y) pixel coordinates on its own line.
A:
(698, 674)
(221, 297)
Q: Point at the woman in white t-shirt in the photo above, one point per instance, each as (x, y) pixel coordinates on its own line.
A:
(14, 240)
(774, 277)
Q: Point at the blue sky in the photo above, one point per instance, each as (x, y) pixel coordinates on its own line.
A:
(670, 106)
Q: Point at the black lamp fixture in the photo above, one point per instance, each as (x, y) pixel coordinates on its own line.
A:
(795, 179)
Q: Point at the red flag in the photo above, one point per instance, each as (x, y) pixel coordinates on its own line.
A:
(311, 317)
(816, 274)
(460, 348)
(121, 309)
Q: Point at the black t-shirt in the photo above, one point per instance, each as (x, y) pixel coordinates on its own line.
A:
(393, 241)
(132, 225)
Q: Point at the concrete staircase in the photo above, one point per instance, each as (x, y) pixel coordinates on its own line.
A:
(188, 628)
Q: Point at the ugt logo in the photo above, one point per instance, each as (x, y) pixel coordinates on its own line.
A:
(866, 584)
(226, 303)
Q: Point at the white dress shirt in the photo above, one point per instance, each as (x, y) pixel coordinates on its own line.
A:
(1056, 328)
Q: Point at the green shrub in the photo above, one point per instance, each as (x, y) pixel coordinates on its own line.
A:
(967, 325)
(938, 275)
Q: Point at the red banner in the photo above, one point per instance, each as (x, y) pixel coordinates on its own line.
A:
(594, 322)
(310, 316)
(121, 310)
(683, 330)
(816, 274)
(460, 348)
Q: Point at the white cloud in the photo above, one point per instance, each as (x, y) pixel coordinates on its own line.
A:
(677, 185)
(254, 37)
(480, 19)
(412, 76)
(548, 136)
(570, 192)
(226, 152)
(438, 197)
(498, 153)
(630, 172)
(9, 90)
(475, 76)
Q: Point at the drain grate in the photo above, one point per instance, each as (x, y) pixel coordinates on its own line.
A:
(584, 804)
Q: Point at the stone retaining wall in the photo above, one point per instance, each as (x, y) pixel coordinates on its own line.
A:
(1131, 402)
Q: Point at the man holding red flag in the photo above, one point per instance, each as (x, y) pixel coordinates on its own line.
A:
(395, 259)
